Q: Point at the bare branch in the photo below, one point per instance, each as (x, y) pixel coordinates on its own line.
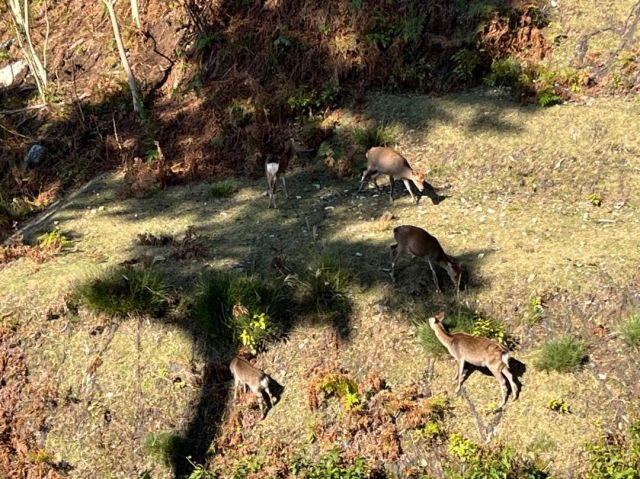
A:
(134, 12)
(21, 110)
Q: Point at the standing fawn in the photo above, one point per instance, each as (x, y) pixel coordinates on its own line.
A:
(246, 374)
(276, 168)
(418, 242)
(386, 161)
(482, 352)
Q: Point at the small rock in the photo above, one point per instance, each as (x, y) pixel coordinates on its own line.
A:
(33, 157)
(358, 254)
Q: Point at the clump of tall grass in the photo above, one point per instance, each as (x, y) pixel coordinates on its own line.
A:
(124, 292)
(325, 286)
(239, 309)
(224, 188)
(631, 330)
(373, 135)
(563, 354)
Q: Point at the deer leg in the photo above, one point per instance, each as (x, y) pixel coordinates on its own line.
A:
(284, 184)
(391, 182)
(265, 385)
(396, 252)
(435, 277)
(459, 374)
(507, 372)
(503, 384)
(235, 388)
(375, 182)
(273, 188)
(408, 186)
(365, 175)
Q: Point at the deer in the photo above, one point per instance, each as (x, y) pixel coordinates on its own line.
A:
(277, 167)
(478, 351)
(386, 161)
(418, 242)
(258, 381)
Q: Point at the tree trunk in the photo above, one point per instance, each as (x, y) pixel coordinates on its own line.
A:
(20, 17)
(123, 55)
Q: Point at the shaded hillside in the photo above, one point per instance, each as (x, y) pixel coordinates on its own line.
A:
(223, 82)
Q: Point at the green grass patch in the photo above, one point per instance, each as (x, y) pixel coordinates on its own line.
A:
(224, 188)
(124, 292)
(325, 287)
(239, 309)
(630, 330)
(373, 135)
(166, 447)
(564, 354)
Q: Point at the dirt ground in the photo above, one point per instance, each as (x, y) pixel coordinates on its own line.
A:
(518, 215)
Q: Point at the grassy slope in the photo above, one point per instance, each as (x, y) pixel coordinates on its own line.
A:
(521, 179)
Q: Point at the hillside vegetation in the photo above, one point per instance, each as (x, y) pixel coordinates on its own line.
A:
(121, 307)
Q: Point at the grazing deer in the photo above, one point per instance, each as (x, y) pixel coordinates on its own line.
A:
(418, 242)
(386, 161)
(478, 351)
(246, 374)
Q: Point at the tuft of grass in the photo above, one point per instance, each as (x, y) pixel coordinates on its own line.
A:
(562, 354)
(325, 288)
(244, 310)
(124, 292)
(631, 330)
(461, 322)
(224, 188)
(373, 135)
(166, 447)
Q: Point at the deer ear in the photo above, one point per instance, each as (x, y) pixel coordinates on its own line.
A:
(439, 317)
